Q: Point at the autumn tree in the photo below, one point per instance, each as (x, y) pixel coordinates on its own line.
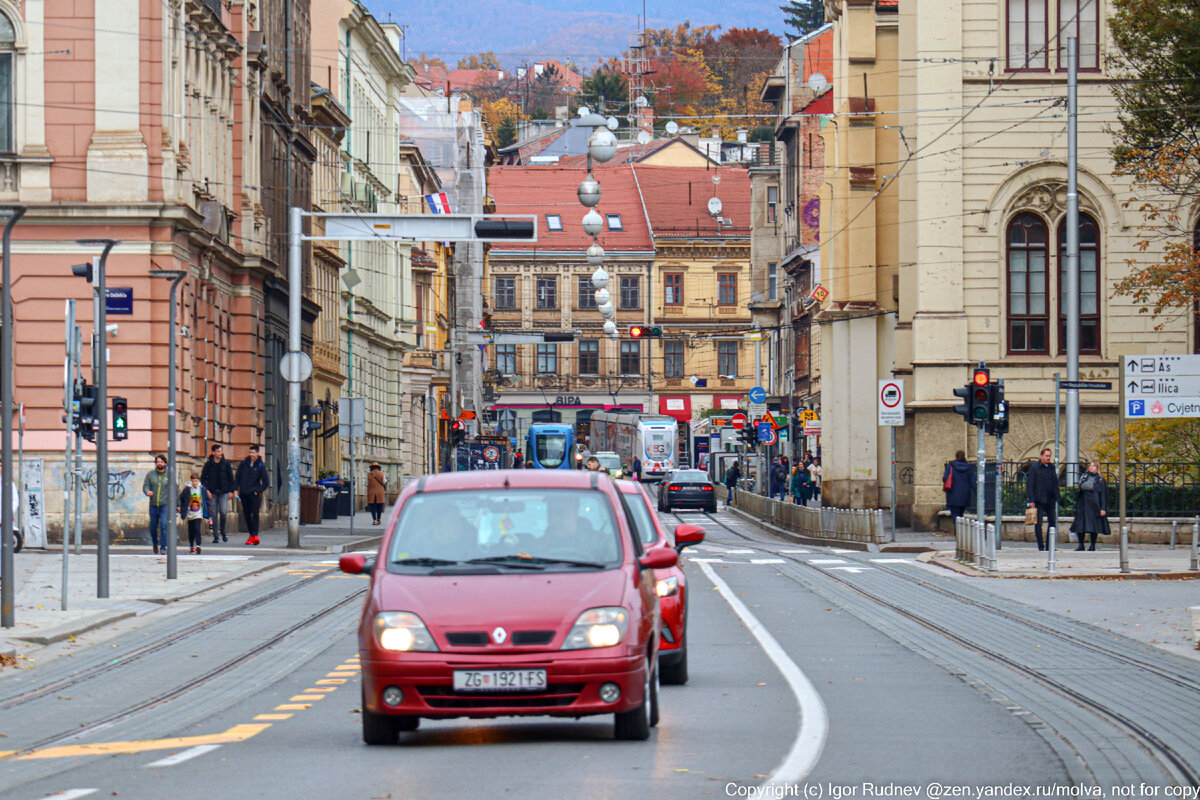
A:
(1157, 144)
(802, 17)
(502, 116)
(740, 59)
(484, 60)
(607, 86)
(425, 63)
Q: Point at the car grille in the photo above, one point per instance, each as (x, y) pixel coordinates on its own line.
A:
(481, 639)
(559, 694)
(533, 637)
(467, 639)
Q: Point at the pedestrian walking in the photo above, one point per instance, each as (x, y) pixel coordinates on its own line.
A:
(1091, 507)
(518, 460)
(1041, 492)
(376, 493)
(814, 478)
(251, 482)
(801, 488)
(779, 479)
(732, 476)
(637, 468)
(193, 509)
(958, 482)
(156, 486)
(218, 482)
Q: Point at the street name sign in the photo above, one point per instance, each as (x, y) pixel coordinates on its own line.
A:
(891, 402)
(1096, 386)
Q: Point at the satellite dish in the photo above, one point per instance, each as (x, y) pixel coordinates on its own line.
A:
(641, 101)
(714, 206)
(672, 127)
(643, 137)
(613, 123)
(817, 82)
(716, 178)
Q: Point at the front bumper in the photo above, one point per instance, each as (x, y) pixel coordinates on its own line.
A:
(573, 685)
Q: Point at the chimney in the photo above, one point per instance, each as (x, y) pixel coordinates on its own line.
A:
(741, 135)
(716, 132)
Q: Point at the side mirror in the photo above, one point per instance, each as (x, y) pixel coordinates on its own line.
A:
(687, 535)
(659, 558)
(355, 564)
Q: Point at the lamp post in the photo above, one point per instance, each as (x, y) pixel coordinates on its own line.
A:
(175, 276)
(7, 594)
(350, 279)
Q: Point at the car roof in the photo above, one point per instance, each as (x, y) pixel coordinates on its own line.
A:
(606, 453)
(502, 478)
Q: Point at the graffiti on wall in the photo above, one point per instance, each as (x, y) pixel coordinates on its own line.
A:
(123, 488)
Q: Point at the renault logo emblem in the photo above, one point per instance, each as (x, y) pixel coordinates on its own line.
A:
(499, 635)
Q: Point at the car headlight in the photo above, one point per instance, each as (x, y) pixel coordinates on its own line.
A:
(402, 631)
(667, 587)
(598, 627)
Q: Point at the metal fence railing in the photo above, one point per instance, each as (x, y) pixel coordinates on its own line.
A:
(819, 522)
(1153, 489)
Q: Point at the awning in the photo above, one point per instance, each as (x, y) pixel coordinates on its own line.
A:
(678, 406)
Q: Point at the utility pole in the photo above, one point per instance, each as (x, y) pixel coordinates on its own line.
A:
(7, 594)
(1071, 284)
(176, 275)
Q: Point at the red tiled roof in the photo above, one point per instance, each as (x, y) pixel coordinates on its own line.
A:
(677, 199)
(546, 190)
(470, 78)
(889, 3)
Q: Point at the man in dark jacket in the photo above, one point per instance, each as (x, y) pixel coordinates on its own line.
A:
(962, 481)
(251, 483)
(217, 480)
(1041, 490)
(732, 476)
(779, 478)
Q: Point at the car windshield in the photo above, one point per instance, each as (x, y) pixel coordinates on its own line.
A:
(689, 476)
(551, 449)
(609, 461)
(641, 518)
(525, 529)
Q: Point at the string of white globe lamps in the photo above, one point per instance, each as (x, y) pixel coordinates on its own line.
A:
(602, 146)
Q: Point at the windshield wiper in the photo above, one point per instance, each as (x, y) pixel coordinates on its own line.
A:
(537, 560)
(514, 560)
(425, 562)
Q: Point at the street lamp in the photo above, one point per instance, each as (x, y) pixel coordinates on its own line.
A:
(175, 276)
(11, 215)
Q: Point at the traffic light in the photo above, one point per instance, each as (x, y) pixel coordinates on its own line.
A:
(750, 434)
(458, 432)
(85, 418)
(310, 420)
(504, 229)
(963, 409)
(998, 416)
(82, 271)
(645, 332)
(120, 424)
(981, 397)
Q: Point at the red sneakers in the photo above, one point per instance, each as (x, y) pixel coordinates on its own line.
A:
(253, 540)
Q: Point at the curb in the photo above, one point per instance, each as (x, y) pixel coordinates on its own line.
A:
(940, 559)
(215, 584)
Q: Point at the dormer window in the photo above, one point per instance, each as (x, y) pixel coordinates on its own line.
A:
(554, 223)
(614, 222)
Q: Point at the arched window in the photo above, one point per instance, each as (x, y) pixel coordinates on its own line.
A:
(1089, 285)
(1028, 315)
(8, 47)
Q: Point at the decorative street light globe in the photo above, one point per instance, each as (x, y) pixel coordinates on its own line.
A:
(595, 255)
(602, 145)
(610, 328)
(589, 191)
(602, 297)
(599, 278)
(592, 223)
(606, 310)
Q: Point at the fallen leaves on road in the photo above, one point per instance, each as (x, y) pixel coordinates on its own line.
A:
(7, 661)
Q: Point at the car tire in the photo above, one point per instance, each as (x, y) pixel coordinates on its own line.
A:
(668, 508)
(711, 508)
(18, 541)
(634, 725)
(654, 699)
(378, 728)
(676, 674)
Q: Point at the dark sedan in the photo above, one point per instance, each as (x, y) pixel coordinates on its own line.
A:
(687, 488)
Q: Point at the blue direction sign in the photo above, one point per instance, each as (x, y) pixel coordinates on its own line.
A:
(118, 300)
(765, 432)
(757, 395)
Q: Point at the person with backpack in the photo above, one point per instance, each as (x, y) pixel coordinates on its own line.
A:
(779, 479)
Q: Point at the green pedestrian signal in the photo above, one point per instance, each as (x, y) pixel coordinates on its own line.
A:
(120, 411)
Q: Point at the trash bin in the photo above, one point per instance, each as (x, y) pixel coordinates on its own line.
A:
(310, 504)
(329, 497)
(345, 500)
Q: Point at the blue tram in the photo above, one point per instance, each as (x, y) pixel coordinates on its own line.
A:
(550, 445)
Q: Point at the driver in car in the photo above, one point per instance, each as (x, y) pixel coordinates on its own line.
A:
(573, 534)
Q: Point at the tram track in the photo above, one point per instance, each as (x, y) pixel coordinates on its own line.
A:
(1174, 765)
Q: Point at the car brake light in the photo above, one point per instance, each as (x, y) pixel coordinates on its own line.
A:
(706, 488)
(674, 488)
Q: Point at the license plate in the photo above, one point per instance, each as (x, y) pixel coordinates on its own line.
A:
(499, 680)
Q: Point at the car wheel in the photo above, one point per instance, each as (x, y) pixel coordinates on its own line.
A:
(711, 508)
(18, 541)
(634, 724)
(378, 728)
(668, 508)
(654, 699)
(676, 674)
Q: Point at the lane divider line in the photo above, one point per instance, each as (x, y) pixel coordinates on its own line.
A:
(238, 733)
(300, 697)
(330, 680)
(814, 720)
(272, 717)
(767, 561)
(70, 794)
(321, 689)
(293, 707)
(186, 755)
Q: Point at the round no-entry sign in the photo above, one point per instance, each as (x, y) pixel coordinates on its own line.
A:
(891, 395)
(738, 421)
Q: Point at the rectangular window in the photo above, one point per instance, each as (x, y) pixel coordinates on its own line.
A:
(631, 294)
(506, 359)
(772, 203)
(553, 223)
(504, 293)
(589, 357)
(587, 293)
(772, 280)
(727, 289)
(547, 293)
(727, 358)
(673, 289)
(631, 358)
(7, 144)
(673, 359)
(1081, 19)
(547, 359)
(1027, 35)
(614, 222)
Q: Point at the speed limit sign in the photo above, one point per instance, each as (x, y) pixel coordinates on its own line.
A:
(491, 453)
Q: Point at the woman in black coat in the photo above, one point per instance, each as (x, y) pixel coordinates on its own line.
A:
(1091, 515)
(962, 484)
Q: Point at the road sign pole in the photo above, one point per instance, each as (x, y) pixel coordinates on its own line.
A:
(1121, 467)
(893, 536)
(980, 476)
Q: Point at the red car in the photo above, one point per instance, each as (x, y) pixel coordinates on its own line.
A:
(505, 593)
(670, 586)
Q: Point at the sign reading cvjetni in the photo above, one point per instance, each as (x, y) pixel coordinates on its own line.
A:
(1161, 387)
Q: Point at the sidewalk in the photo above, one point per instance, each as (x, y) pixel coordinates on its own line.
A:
(138, 582)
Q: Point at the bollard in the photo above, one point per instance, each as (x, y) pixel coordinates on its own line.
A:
(1174, 524)
(989, 549)
(879, 526)
(1052, 542)
(1124, 548)
(1195, 565)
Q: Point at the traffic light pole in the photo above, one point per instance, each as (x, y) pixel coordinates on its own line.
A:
(176, 275)
(7, 589)
(980, 472)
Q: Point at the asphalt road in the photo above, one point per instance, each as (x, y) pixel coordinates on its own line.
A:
(820, 674)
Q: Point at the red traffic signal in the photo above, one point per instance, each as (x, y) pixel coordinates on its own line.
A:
(635, 331)
(981, 377)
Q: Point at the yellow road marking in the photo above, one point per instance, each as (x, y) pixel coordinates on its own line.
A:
(300, 697)
(341, 674)
(293, 706)
(272, 717)
(238, 733)
(331, 680)
(321, 689)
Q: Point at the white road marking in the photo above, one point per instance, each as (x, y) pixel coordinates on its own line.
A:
(185, 755)
(70, 794)
(814, 721)
(841, 550)
(854, 570)
(827, 561)
(729, 552)
(706, 560)
(893, 560)
(795, 551)
(767, 561)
